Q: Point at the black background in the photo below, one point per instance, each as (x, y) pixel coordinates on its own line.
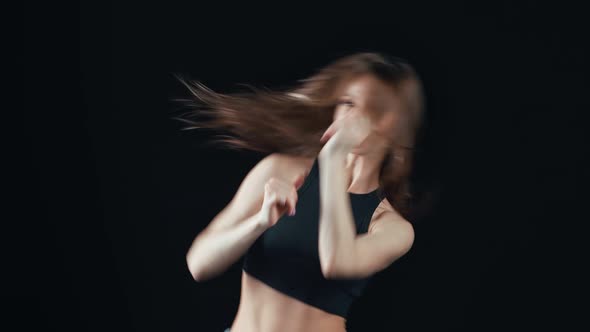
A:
(113, 192)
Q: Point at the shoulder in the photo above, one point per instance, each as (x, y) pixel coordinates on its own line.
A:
(277, 163)
(300, 161)
(291, 163)
(282, 159)
(289, 166)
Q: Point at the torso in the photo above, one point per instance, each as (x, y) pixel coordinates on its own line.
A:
(263, 308)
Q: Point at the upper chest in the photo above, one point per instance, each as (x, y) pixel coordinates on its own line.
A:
(300, 167)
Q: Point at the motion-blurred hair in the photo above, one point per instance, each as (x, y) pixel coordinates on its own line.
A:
(292, 120)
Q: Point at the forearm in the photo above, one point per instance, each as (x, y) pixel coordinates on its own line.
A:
(213, 252)
(337, 230)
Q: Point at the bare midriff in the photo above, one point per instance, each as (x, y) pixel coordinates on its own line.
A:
(264, 309)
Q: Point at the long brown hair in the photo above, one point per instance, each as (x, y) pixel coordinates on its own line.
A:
(292, 120)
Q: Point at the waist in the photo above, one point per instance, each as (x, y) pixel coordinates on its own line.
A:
(265, 309)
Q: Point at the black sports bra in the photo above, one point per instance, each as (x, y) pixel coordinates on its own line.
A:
(285, 257)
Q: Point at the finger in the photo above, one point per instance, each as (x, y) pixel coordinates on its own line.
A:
(299, 182)
(286, 206)
(292, 203)
(280, 200)
(325, 135)
(273, 198)
(329, 131)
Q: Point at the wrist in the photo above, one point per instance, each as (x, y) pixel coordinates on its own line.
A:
(259, 222)
(333, 152)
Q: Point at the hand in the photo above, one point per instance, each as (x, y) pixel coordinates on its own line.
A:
(347, 132)
(279, 197)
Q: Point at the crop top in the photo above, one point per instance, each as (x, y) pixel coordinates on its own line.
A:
(285, 257)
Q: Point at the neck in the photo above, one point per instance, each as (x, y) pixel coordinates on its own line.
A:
(364, 172)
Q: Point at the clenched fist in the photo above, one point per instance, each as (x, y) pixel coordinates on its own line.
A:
(280, 196)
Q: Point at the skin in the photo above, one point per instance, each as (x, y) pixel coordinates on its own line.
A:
(263, 308)
(369, 96)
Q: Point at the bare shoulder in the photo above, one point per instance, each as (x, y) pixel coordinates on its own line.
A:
(277, 162)
(291, 166)
(297, 161)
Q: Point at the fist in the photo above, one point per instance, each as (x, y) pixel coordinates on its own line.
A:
(280, 197)
(347, 132)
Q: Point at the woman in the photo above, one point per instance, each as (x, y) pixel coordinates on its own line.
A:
(329, 206)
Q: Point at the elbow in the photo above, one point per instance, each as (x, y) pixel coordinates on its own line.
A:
(199, 277)
(197, 272)
(328, 275)
(194, 263)
(328, 271)
(332, 273)
(334, 267)
(340, 271)
(331, 267)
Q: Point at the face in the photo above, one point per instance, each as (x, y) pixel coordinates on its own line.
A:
(370, 96)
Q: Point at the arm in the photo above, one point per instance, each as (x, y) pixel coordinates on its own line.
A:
(336, 226)
(229, 235)
(343, 254)
(213, 252)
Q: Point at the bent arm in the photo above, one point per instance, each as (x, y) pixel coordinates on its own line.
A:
(337, 229)
(229, 235)
(212, 252)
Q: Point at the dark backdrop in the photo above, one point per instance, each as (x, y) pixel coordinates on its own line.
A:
(113, 192)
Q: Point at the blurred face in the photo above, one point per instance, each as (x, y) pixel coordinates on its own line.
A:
(377, 100)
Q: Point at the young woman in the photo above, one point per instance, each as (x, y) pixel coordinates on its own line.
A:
(328, 206)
